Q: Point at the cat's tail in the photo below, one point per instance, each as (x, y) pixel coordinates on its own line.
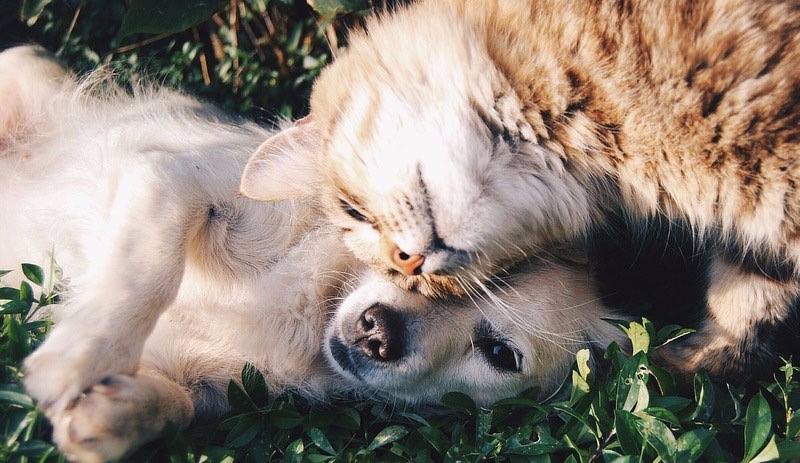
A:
(30, 78)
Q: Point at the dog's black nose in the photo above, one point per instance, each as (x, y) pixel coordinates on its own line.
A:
(379, 333)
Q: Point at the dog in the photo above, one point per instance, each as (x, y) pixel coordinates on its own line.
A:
(173, 281)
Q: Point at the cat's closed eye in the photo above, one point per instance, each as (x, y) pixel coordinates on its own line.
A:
(350, 210)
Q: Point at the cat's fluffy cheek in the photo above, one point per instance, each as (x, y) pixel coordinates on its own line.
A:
(364, 243)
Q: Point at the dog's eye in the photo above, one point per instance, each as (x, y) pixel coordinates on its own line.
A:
(352, 211)
(497, 350)
(500, 355)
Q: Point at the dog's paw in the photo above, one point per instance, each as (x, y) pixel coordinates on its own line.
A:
(115, 416)
(62, 368)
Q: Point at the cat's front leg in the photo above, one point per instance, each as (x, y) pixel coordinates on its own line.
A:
(746, 310)
(134, 271)
(119, 414)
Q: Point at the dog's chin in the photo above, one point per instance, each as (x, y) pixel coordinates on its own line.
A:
(368, 379)
(339, 357)
(341, 360)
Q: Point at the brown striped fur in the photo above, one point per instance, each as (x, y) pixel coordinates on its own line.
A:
(474, 133)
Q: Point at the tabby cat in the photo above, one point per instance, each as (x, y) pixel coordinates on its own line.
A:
(455, 137)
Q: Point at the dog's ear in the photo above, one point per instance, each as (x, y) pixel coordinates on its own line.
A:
(29, 78)
(284, 166)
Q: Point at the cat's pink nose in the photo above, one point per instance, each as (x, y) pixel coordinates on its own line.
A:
(410, 265)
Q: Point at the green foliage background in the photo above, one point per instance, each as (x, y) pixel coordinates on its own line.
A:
(253, 56)
(636, 413)
(260, 57)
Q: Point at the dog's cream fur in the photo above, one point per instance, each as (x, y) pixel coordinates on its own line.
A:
(458, 345)
(173, 281)
(137, 197)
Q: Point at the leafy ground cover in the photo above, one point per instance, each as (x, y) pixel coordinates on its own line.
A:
(633, 413)
(260, 57)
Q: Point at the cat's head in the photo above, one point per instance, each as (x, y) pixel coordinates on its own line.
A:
(423, 159)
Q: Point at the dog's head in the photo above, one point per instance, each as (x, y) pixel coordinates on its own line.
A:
(403, 347)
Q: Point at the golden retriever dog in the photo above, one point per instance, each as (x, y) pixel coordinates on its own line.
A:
(173, 281)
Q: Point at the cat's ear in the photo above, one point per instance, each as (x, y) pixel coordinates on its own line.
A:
(284, 166)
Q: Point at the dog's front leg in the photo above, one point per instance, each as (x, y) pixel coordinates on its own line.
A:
(133, 273)
(118, 415)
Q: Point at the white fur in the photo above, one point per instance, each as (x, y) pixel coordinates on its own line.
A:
(136, 196)
(173, 281)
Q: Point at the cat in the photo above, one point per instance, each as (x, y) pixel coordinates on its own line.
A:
(173, 282)
(456, 137)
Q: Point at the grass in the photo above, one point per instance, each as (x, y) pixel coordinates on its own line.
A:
(260, 57)
(636, 412)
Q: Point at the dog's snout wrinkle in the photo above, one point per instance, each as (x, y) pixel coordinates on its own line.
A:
(379, 334)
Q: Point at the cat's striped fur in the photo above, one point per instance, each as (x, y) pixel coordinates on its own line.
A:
(458, 136)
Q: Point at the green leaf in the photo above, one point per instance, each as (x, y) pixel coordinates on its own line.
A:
(242, 433)
(793, 425)
(255, 385)
(664, 415)
(462, 452)
(789, 450)
(34, 273)
(640, 336)
(35, 449)
(704, 396)
(387, 436)
(319, 439)
(582, 362)
(294, 452)
(519, 403)
(670, 333)
(610, 456)
(736, 402)
(544, 445)
(580, 418)
(483, 422)
(31, 9)
(15, 307)
(692, 444)
(438, 440)
(768, 453)
(632, 391)
(664, 379)
(350, 419)
(757, 426)
(627, 434)
(15, 425)
(165, 16)
(318, 458)
(333, 8)
(11, 394)
(26, 292)
(580, 387)
(9, 294)
(658, 435)
(284, 419)
(238, 398)
(672, 403)
(459, 402)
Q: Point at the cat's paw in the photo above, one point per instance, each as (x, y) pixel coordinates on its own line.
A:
(69, 362)
(112, 418)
